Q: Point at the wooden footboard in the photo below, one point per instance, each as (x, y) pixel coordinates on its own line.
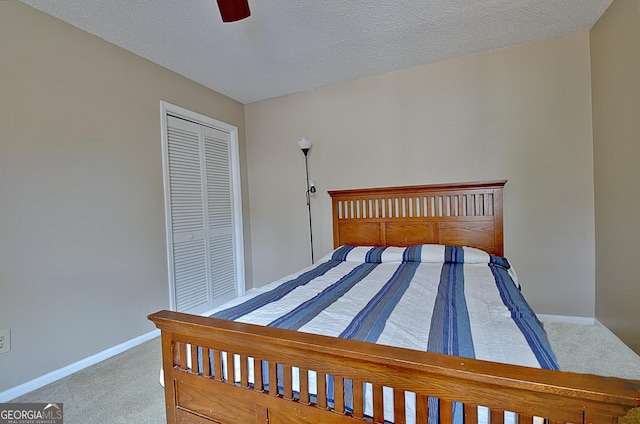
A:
(207, 391)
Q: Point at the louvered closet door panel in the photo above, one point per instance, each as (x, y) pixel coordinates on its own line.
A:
(190, 273)
(217, 146)
(192, 290)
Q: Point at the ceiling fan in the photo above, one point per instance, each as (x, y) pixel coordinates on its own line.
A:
(233, 10)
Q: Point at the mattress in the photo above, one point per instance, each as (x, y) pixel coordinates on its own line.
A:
(445, 299)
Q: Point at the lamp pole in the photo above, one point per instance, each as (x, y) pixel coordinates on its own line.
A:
(305, 146)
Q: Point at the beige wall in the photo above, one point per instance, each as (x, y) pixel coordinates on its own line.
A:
(615, 68)
(522, 113)
(82, 235)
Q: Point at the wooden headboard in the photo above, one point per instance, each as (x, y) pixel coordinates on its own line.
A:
(461, 214)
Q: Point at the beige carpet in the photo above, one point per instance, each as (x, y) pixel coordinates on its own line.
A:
(125, 389)
(590, 349)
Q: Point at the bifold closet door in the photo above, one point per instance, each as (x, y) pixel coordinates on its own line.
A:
(201, 253)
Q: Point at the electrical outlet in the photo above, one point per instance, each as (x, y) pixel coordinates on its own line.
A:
(5, 341)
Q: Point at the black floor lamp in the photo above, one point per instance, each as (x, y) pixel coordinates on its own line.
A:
(305, 146)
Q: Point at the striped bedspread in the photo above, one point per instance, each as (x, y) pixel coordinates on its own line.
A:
(453, 300)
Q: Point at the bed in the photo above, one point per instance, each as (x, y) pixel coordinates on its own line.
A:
(223, 370)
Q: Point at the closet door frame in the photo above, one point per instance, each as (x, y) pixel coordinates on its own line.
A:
(168, 109)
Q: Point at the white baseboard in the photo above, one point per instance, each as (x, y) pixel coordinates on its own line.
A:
(597, 322)
(566, 318)
(42, 381)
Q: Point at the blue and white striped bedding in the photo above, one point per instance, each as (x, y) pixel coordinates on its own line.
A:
(454, 300)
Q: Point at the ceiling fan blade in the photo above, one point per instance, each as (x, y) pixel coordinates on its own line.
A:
(233, 10)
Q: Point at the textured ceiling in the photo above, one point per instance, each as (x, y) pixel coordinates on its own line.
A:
(287, 46)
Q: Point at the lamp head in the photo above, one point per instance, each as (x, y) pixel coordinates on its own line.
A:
(304, 145)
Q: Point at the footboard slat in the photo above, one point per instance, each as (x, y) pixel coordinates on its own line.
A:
(288, 382)
(321, 380)
(446, 411)
(206, 364)
(471, 413)
(303, 376)
(257, 374)
(398, 406)
(194, 346)
(358, 399)
(422, 408)
(497, 416)
(273, 378)
(525, 419)
(231, 369)
(180, 355)
(338, 394)
(378, 406)
(244, 371)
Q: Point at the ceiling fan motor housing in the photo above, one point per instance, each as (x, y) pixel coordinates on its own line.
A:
(233, 10)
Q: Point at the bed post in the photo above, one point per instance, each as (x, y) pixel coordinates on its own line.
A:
(498, 219)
